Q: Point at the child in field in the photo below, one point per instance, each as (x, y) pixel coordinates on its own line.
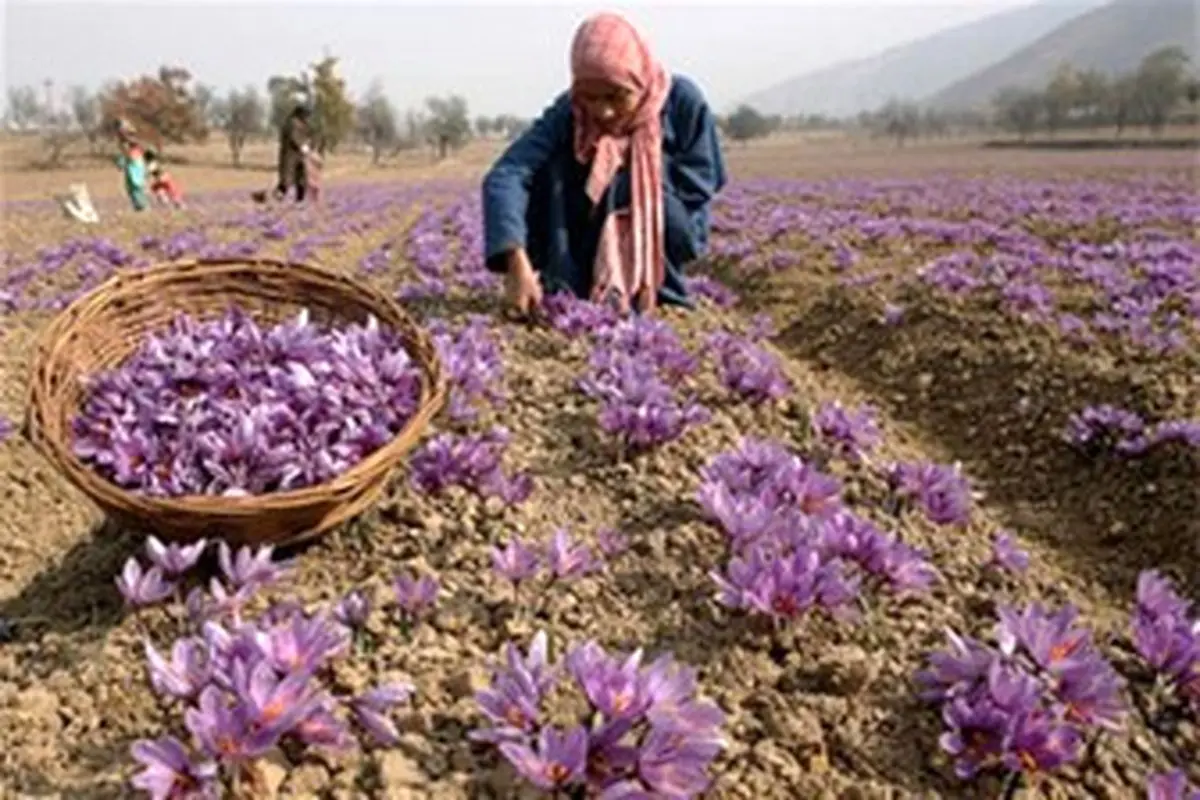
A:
(162, 186)
(132, 164)
(606, 195)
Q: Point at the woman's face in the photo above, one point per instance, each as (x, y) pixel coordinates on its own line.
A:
(610, 105)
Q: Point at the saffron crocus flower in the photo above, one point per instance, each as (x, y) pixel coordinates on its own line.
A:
(300, 642)
(941, 491)
(558, 759)
(371, 709)
(188, 670)
(1006, 555)
(170, 773)
(174, 559)
(614, 688)
(1040, 744)
(269, 702)
(852, 432)
(223, 731)
(248, 567)
(515, 563)
(568, 559)
(354, 609)
(143, 587)
(1171, 785)
(415, 596)
(975, 737)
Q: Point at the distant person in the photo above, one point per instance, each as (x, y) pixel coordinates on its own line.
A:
(294, 148)
(163, 186)
(607, 194)
(132, 164)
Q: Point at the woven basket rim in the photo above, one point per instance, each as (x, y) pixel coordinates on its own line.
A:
(129, 283)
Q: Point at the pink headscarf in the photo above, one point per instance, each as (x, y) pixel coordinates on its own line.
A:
(631, 257)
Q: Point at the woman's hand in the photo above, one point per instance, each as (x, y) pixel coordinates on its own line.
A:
(522, 286)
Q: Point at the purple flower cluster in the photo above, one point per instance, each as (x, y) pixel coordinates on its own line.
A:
(574, 317)
(852, 432)
(631, 372)
(225, 407)
(472, 461)
(1026, 704)
(940, 491)
(1167, 636)
(746, 369)
(471, 358)
(1171, 785)
(1125, 431)
(644, 732)
(793, 547)
(247, 686)
(562, 559)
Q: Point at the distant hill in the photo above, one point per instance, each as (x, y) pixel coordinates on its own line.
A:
(918, 69)
(1113, 39)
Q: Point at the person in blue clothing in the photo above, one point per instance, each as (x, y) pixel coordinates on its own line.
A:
(607, 194)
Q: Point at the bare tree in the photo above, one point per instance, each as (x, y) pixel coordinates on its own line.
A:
(242, 115)
(85, 110)
(377, 122)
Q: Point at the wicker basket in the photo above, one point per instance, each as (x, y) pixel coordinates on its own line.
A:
(101, 329)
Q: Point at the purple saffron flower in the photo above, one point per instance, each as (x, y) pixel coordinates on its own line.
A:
(1040, 745)
(672, 765)
(941, 491)
(516, 563)
(976, 735)
(223, 732)
(354, 609)
(567, 559)
(143, 588)
(271, 703)
(173, 559)
(248, 567)
(853, 432)
(170, 773)
(188, 671)
(1171, 785)
(1006, 555)
(371, 709)
(557, 760)
(415, 596)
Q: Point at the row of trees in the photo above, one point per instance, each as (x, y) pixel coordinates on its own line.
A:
(1161, 89)
(1158, 90)
(171, 108)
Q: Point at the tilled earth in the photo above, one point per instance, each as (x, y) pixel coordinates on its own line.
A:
(826, 711)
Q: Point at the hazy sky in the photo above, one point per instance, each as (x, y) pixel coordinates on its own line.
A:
(502, 57)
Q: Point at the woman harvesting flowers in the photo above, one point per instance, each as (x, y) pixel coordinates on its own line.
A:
(607, 195)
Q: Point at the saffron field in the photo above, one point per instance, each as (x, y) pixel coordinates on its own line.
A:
(910, 503)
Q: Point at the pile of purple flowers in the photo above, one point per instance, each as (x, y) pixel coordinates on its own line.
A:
(1026, 704)
(852, 432)
(1171, 785)
(225, 407)
(794, 548)
(471, 358)
(1126, 432)
(746, 369)
(471, 461)
(1167, 636)
(246, 687)
(940, 491)
(632, 372)
(643, 733)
